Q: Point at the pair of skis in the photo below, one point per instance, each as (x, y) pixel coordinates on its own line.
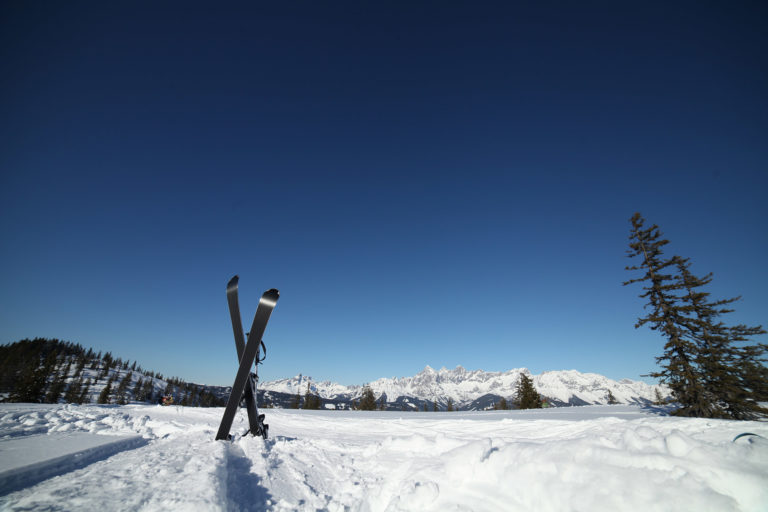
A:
(247, 354)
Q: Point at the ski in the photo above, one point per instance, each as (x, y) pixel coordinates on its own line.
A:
(251, 349)
(256, 427)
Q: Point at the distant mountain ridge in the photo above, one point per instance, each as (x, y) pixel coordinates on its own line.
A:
(53, 371)
(478, 389)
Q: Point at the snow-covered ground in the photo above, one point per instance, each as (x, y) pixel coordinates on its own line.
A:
(596, 458)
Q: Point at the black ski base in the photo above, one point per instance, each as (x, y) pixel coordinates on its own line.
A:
(244, 387)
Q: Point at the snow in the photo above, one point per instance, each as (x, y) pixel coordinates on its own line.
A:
(35, 458)
(596, 458)
(463, 386)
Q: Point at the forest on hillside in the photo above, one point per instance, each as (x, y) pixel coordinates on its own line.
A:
(45, 370)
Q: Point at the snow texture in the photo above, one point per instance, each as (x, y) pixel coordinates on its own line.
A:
(592, 458)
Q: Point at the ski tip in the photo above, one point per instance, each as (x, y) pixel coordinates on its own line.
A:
(232, 284)
(270, 297)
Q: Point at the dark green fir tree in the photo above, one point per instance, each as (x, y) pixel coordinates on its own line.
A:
(367, 400)
(710, 367)
(666, 316)
(526, 396)
(106, 392)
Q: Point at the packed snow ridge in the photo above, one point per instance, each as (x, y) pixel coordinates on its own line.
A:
(464, 387)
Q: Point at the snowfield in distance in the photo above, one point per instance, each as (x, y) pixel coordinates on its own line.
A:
(592, 458)
(465, 386)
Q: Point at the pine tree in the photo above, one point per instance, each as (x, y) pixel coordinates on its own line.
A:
(367, 400)
(137, 390)
(148, 390)
(666, 316)
(31, 385)
(121, 394)
(311, 401)
(449, 407)
(658, 399)
(501, 405)
(710, 369)
(526, 396)
(83, 399)
(73, 391)
(434, 406)
(295, 402)
(57, 386)
(610, 398)
(104, 395)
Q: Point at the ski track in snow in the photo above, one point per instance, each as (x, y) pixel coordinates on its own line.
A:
(600, 458)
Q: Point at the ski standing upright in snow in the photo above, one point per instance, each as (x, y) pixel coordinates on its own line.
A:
(248, 354)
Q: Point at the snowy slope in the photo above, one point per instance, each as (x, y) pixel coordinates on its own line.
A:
(464, 386)
(596, 458)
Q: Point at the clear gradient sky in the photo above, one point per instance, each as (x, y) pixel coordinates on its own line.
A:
(434, 183)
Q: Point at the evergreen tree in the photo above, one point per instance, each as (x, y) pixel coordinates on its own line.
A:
(31, 385)
(194, 395)
(666, 316)
(434, 406)
(658, 399)
(295, 402)
(611, 399)
(73, 391)
(311, 401)
(501, 405)
(526, 396)
(148, 390)
(137, 390)
(57, 386)
(710, 369)
(104, 395)
(449, 407)
(121, 394)
(80, 366)
(367, 400)
(84, 399)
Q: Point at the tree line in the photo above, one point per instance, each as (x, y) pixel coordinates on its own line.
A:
(45, 370)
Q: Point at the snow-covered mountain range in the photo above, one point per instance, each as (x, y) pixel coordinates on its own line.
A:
(478, 389)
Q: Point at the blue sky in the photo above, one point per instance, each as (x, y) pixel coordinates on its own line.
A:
(425, 183)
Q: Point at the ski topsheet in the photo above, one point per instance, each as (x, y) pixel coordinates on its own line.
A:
(237, 327)
(251, 349)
